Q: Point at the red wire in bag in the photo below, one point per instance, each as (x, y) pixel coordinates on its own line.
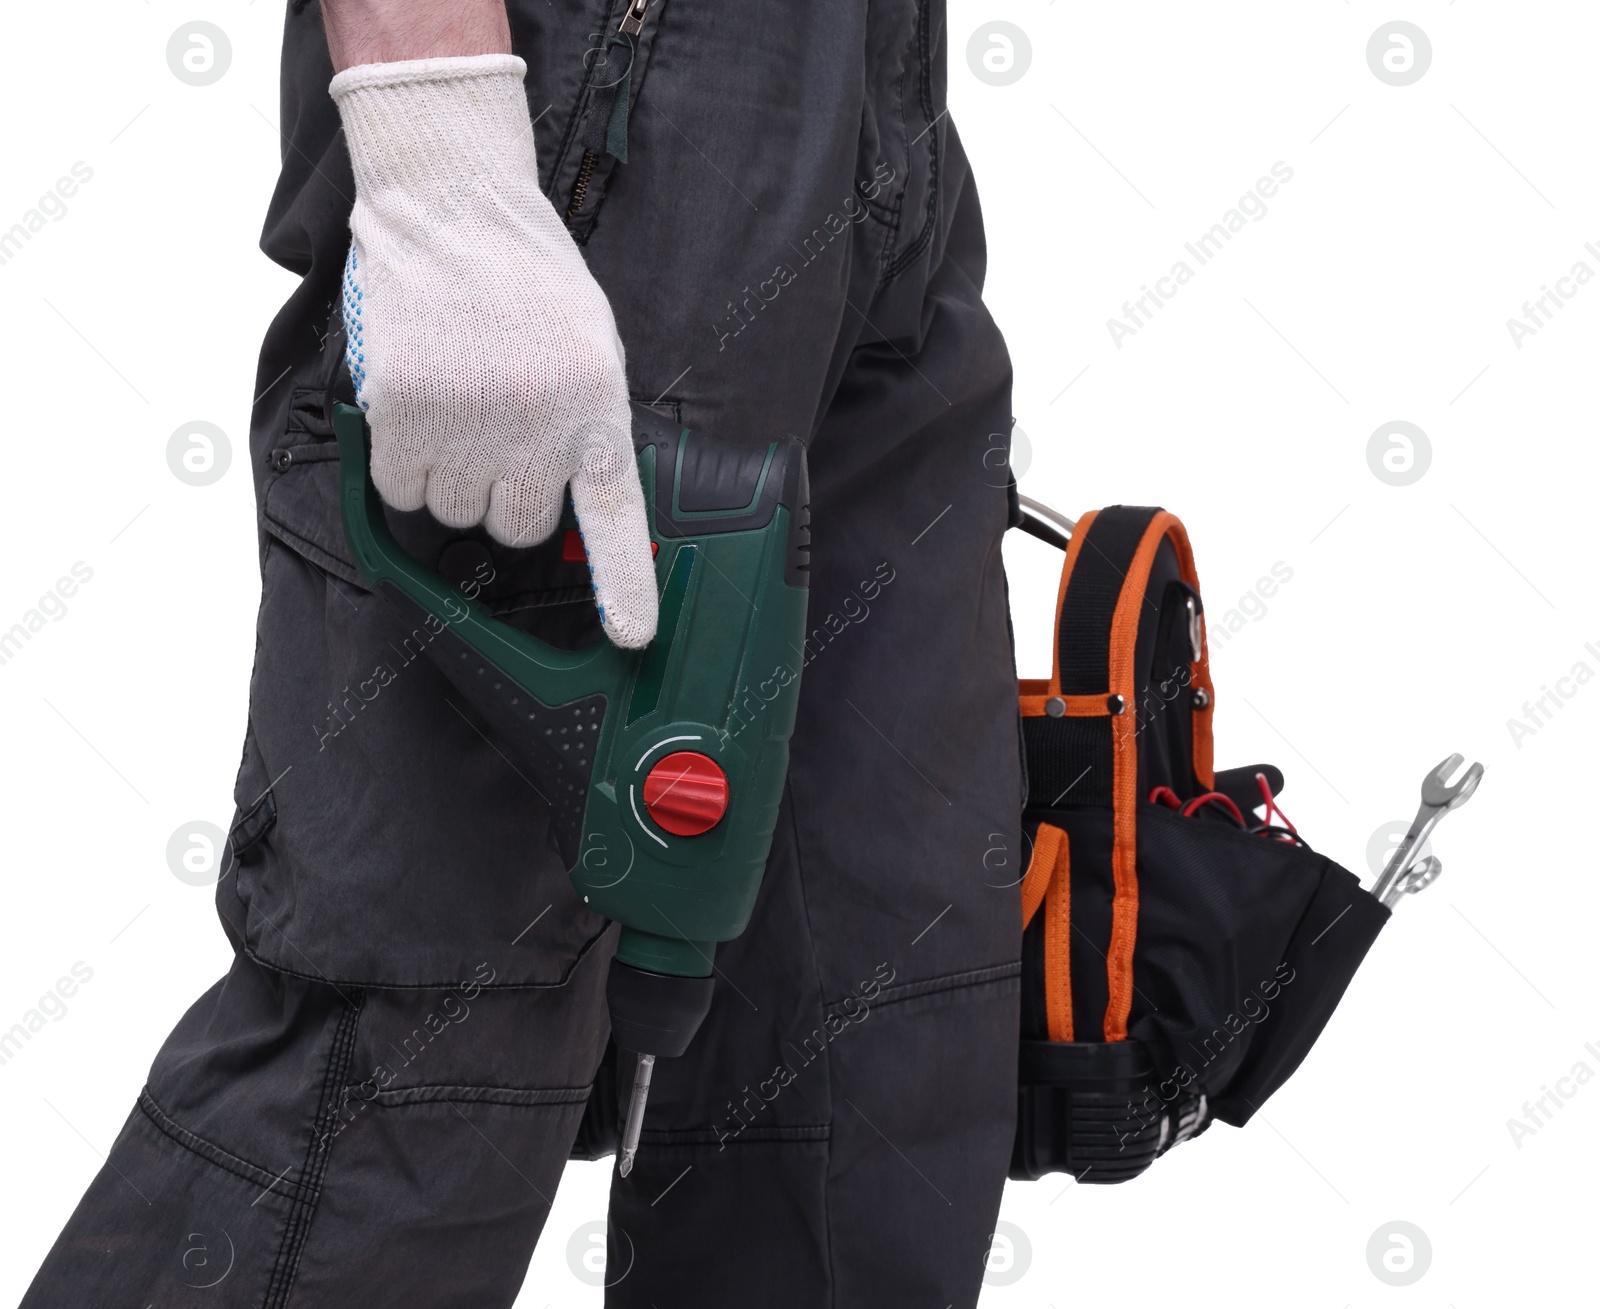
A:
(1213, 797)
(1280, 830)
(1271, 804)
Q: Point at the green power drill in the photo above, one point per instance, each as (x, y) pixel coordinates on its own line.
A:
(662, 768)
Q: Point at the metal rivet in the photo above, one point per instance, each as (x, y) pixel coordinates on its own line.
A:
(1115, 704)
(1055, 706)
(1201, 699)
(281, 460)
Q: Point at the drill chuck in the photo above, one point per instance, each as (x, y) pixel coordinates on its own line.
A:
(652, 1014)
(655, 1013)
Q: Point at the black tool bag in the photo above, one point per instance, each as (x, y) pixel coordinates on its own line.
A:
(1180, 956)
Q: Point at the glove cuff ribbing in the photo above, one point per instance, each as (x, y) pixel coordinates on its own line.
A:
(413, 72)
(421, 129)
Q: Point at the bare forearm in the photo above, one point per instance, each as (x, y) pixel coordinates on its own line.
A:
(382, 31)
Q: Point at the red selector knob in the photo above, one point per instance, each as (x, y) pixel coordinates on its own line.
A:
(686, 793)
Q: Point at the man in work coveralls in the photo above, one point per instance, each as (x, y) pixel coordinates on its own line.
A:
(750, 219)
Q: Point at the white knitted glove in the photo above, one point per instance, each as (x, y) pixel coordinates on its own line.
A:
(484, 353)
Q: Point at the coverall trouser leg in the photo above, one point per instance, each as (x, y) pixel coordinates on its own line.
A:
(374, 1106)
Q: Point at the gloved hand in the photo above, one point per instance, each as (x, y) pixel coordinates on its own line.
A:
(484, 353)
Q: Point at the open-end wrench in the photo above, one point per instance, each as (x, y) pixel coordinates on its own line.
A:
(1419, 877)
(1439, 797)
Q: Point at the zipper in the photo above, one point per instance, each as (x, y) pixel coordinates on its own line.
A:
(580, 188)
(633, 18)
(606, 131)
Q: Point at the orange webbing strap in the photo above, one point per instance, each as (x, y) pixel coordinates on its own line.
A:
(1049, 882)
(1036, 691)
(1058, 950)
(1125, 758)
(1048, 848)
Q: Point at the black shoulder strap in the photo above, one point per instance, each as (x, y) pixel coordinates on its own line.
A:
(1084, 640)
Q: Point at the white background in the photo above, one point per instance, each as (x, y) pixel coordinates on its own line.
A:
(1418, 619)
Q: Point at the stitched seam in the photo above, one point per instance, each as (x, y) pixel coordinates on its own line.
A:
(918, 247)
(240, 841)
(311, 552)
(428, 986)
(816, 972)
(318, 1148)
(307, 452)
(212, 1153)
(518, 1097)
(905, 135)
(769, 1135)
(971, 979)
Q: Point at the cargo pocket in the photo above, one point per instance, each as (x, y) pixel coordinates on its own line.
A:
(255, 811)
(383, 836)
(464, 1102)
(597, 135)
(543, 589)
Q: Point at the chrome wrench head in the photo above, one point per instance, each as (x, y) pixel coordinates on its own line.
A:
(1419, 877)
(1422, 875)
(1439, 793)
(1439, 797)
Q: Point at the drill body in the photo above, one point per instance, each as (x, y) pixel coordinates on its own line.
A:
(662, 768)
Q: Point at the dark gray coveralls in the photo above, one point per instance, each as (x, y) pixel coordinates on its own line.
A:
(374, 1106)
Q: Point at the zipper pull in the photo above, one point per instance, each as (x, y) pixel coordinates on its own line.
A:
(633, 18)
(606, 128)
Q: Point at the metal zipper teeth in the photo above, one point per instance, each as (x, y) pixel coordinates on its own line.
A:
(580, 188)
(631, 25)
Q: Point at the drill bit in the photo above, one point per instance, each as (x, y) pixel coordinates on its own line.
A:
(641, 1092)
